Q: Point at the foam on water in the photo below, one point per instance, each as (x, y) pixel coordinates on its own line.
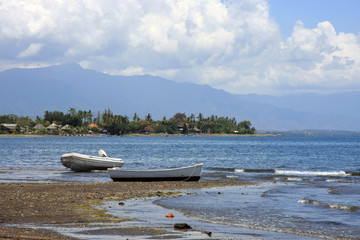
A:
(294, 179)
(329, 205)
(294, 172)
(338, 180)
(312, 173)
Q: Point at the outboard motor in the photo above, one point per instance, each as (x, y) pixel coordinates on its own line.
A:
(102, 153)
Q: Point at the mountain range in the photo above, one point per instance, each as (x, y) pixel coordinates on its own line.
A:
(30, 92)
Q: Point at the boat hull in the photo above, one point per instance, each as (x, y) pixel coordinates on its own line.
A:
(190, 173)
(85, 163)
(157, 179)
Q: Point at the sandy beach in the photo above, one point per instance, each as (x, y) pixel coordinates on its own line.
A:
(39, 204)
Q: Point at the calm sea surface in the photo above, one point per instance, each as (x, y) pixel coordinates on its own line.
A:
(308, 186)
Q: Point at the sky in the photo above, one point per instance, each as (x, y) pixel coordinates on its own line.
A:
(273, 47)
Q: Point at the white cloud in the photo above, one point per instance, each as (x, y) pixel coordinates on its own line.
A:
(32, 50)
(131, 71)
(233, 45)
(320, 57)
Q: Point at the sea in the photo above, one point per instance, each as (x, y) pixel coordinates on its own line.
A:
(302, 186)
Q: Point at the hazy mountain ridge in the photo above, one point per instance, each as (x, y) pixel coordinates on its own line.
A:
(341, 103)
(29, 92)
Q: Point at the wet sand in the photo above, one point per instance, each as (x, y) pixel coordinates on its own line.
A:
(56, 204)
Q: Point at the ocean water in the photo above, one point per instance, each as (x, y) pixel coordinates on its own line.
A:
(308, 186)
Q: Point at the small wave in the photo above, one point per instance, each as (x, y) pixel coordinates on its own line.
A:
(290, 179)
(329, 205)
(255, 170)
(337, 180)
(231, 176)
(312, 173)
(294, 179)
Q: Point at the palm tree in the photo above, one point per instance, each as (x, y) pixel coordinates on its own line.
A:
(148, 118)
(72, 111)
(136, 117)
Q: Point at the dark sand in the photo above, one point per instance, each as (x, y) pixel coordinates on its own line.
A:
(39, 204)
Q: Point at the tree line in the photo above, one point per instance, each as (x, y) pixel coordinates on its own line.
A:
(80, 121)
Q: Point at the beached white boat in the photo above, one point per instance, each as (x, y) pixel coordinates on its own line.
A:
(81, 162)
(190, 173)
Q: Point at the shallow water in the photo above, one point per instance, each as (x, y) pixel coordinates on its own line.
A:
(305, 185)
(153, 215)
(271, 207)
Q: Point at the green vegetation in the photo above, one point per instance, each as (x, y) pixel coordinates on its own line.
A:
(89, 208)
(84, 122)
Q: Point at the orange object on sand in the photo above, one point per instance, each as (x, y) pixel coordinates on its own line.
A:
(169, 215)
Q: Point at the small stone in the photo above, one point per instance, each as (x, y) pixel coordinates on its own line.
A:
(182, 226)
(121, 203)
(206, 232)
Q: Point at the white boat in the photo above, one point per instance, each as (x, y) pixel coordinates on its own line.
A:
(81, 162)
(190, 173)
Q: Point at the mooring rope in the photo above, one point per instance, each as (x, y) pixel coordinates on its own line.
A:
(191, 173)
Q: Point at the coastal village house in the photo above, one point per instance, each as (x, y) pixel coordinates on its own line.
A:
(66, 127)
(10, 127)
(39, 126)
(53, 127)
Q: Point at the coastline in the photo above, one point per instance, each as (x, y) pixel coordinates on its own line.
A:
(55, 204)
(141, 135)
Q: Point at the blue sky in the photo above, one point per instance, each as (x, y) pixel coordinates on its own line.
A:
(271, 47)
(344, 15)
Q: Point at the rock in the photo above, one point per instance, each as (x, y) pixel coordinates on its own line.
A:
(182, 226)
(206, 232)
(121, 203)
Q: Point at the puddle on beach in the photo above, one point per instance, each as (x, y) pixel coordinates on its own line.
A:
(149, 222)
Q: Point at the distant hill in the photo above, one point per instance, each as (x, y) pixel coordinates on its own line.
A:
(341, 103)
(29, 92)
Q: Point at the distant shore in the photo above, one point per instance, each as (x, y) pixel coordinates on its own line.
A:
(141, 135)
(55, 204)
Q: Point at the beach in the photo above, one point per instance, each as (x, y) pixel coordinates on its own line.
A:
(39, 204)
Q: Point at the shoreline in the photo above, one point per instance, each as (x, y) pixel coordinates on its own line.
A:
(143, 135)
(54, 204)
